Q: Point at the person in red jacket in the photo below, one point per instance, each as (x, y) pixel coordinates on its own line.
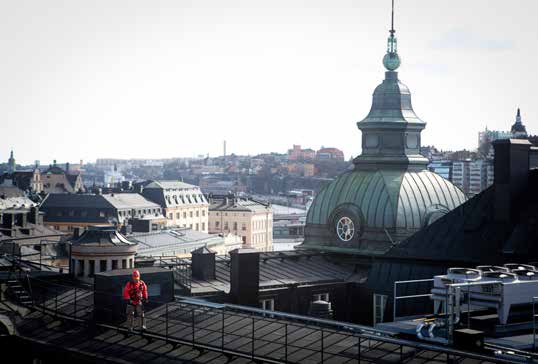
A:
(135, 294)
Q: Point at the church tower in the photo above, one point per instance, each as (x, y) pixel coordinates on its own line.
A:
(12, 167)
(518, 130)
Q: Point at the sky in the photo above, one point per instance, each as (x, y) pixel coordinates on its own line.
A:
(161, 79)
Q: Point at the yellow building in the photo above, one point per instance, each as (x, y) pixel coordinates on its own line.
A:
(183, 204)
(248, 218)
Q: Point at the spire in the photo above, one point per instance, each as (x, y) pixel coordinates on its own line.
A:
(12, 166)
(392, 31)
(391, 60)
(518, 130)
(391, 130)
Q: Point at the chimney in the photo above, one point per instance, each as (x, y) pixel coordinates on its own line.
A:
(203, 264)
(511, 168)
(245, 276)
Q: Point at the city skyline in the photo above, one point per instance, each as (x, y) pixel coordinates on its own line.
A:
(129, 81)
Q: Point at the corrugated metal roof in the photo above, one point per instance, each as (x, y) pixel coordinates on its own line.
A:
(386, 198)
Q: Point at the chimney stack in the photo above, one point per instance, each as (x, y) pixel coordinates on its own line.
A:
(245, 276)
(203, 264)
(511, 168)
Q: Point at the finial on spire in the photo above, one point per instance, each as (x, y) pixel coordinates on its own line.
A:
(518, 113)
(391, 60)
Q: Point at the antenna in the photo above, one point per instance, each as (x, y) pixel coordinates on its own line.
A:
(392, 31)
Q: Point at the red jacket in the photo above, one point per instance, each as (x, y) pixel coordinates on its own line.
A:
(135, 292)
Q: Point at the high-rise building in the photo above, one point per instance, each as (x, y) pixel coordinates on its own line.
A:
(460, 174)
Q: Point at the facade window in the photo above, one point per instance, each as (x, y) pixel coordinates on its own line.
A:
(226, 225)
(124, 263)
(114, 264)
(190, 213)
(190, 226)
(203, 212)
(184, 214)
(197, 226)
(102, 266)
(235, 225)
(131, 263)
(178, 215)
(321, 297)
(197, 213)
(244, 227)
(203, 226)
(71, 213)
(380, 303)
(84, 213)
(217, 224)
(170, 216)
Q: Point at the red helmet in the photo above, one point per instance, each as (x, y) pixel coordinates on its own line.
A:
(136, 274)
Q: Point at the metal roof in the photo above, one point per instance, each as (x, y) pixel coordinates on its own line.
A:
(385, 199)
(173, 185)
(392, 102)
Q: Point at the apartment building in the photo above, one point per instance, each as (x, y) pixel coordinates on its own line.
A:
(183, 204)
(246, 217)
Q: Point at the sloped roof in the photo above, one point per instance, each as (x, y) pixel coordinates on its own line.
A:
(178, 185)
(471, 233)
(129, 200)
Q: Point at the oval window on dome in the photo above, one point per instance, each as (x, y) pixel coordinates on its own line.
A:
(345, 228)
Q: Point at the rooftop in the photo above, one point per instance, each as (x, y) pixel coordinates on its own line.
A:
(203, 332)
(280, 269)
(170, 185)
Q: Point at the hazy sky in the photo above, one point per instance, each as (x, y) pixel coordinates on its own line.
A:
(156, 79)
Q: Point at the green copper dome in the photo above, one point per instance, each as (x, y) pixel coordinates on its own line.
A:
(390, 194)
(384, 206)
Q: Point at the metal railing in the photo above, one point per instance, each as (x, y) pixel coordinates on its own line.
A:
(396, 298)
(247, 332)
